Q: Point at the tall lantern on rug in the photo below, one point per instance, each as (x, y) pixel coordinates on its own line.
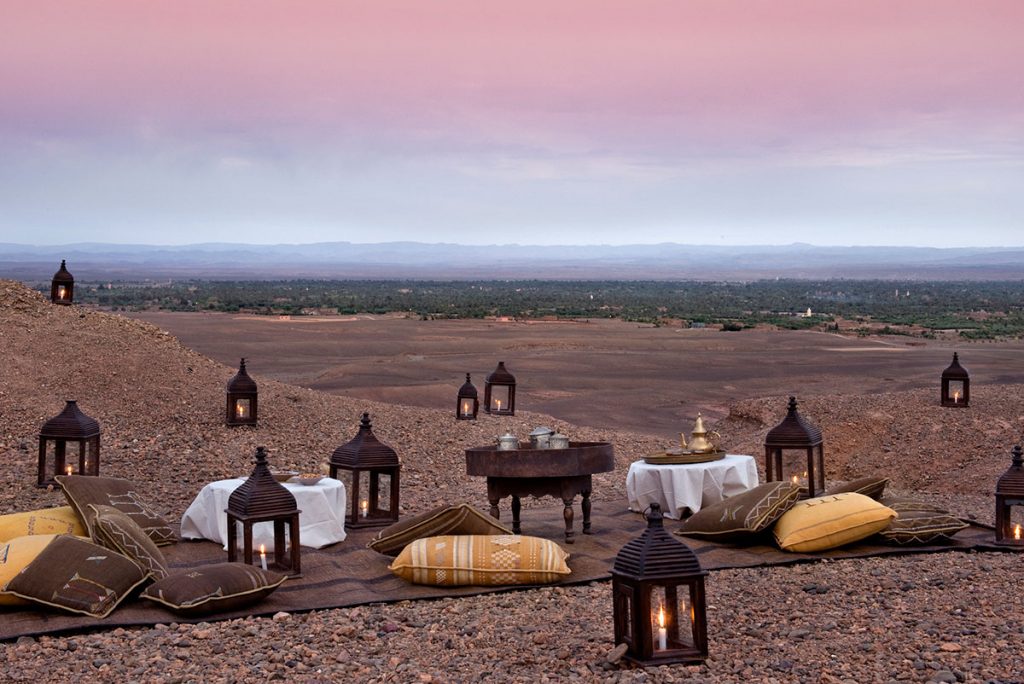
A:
(260, 499)
(658, 598)
(956, 385)
(62, 287)
(242, 398)
(500, 392)
(1010, 499)
(467, 405)
(69, 444)
(796, 434)
(374, 468)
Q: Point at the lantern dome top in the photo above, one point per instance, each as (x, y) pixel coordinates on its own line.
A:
(500, 375)
(241, 382)
(794, 430)
(261, 495)
(1011, 483)
(468, 390)
(365, 450)
(656, 554)
(70, 423)
(62, 275)
(955, 371)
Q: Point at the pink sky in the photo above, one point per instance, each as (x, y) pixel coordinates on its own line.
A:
(650, 104)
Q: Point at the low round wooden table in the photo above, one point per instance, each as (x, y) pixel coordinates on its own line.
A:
(561, 473)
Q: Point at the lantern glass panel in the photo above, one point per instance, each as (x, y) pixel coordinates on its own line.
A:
(466, 408)
(500, 397)
(1016, 517)
(624, 611)
(384, 491)
(794, 467)
(50, 459)
(91, 456)
(956, 391)
(243, 409)
(672, 617)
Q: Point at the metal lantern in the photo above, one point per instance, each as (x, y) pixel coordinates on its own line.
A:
(374, 468)
(467, 405)
(796, 434)
(242, 406)
(1010, 499)
(658, 599)
(69, 444)
(62, 287)
(500, 392)
(262, 499)
(956, 385)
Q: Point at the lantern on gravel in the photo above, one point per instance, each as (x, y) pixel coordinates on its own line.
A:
(500, 392)
(956, 385)
(69, 444)
(242, 398)
(1010, 502)
(374, 468)
(467, 403)
(62, 287)
(793, 451)
(658, 598)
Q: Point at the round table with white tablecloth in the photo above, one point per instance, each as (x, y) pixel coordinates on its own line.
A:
(683, 489)
(321, 521)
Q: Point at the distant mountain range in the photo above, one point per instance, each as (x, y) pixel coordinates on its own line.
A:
(667, 261)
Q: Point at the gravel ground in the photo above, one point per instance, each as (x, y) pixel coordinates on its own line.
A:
(942, 617)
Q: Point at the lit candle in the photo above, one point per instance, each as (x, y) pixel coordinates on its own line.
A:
(1016, 531)
(956, 397)
(61, 292)
(662, 633)
(796, 481)
(68, 469)
(497, 404)
(240, 410)
(263, 556)
(364, 508)
(465, 408)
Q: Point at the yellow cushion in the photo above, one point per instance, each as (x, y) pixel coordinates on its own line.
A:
(480, 559)
(61, 520)
(827, 522)
(16, 555)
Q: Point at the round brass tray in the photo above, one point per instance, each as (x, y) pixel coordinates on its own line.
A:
(683, 457)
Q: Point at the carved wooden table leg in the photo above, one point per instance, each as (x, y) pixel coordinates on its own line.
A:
(493, 497)
(585, 505)
(567, 514)
(516, 505)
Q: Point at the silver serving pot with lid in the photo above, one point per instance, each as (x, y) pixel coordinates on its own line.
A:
(558, 441)
(540, 436)
(507, 442)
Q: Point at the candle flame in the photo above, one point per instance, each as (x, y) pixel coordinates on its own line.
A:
(1016, 531)
(61, 292)
(497, 403)
(70, 471)
(956, 396)
(240, 410)
(263, 550)
(796, 480)
(661, 616)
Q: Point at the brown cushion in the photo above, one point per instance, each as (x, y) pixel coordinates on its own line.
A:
(78, 576)
(919, 522)
(868, 486)
(827, 522)
(82, 490)
(902, 504)
(115, 530)
(481, 560)
(742, 515)
(211, 588)
(460, 519)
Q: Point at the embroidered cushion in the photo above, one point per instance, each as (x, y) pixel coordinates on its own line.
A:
(827, 522)
(868, 486)
(15, 555)
(115, 530)
(460, 519)
(82, 490)
(60, 520)
(919, 523)
(212, 588)
(474, 559)
(743, 515)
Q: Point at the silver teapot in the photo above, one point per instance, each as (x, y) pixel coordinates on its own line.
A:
(507, 442)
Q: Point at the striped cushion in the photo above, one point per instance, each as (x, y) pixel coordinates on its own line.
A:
(115, 530)
(919, 523)
(827, 522)
(476, 559)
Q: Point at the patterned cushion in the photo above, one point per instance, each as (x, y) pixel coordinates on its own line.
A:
(211, 588)
(60, 520)
(461, 519)
(827, 522)
(868, 486)
(118, 532)
(82, 490)
(740, 516)
(457, 560)
(903, 505)
(920, 523)
(15, 555)
(78, 576)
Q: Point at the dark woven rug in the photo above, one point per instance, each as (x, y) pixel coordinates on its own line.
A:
(349, 574)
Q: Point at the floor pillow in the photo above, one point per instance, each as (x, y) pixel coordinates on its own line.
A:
(827, 522)
(15, 555)
(78, 576)
(459, 519)
(920, 523)
(213, 588)
(868, 486)
(82, 490)
(483, 560)
(116, 530)
(739, 517)
(59, 520)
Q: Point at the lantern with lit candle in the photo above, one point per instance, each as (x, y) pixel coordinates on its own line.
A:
(500, 392)
(467, 403)
(69, 444)
(658, 598)
(956, 385)
(262, 499)
(794, 451)
(62, 287)
(242, 397)
(1010, 502)
(373, 486)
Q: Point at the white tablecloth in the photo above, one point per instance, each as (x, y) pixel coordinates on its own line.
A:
(321, 521)
(679, 487)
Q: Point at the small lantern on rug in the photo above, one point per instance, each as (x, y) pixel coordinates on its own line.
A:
(69, 444)
(1010, 502)
(262, 499)
(468, 404)
(242, 398)
(785, 447)
(62, 287)
(658, 598)
(374, 468)
(956, 385)
(500, 392)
